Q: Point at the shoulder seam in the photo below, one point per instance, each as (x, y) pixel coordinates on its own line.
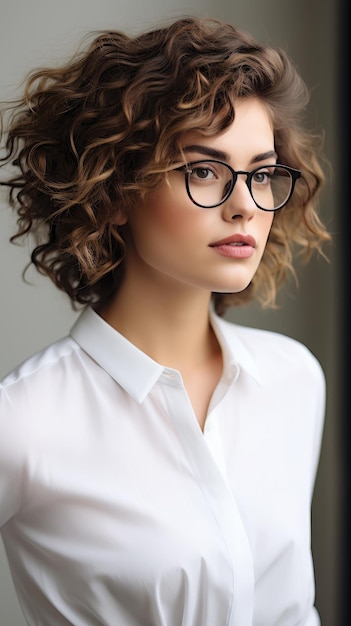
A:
(14, 376)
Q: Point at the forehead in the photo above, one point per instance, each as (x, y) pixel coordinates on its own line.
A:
(250, 133)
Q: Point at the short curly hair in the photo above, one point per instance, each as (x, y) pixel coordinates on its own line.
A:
(89, 138)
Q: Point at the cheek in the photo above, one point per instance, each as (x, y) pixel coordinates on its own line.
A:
(169, 218)
(266, 224)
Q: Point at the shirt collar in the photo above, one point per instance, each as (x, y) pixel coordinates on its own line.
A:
(130, 367)
(235, 353)
(133, 369)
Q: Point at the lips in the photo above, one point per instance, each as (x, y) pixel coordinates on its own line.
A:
(237, 247)
(235, 240)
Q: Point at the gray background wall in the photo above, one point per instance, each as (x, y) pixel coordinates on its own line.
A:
(43, 31)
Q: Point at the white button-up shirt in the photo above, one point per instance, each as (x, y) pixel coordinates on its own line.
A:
(117, 510)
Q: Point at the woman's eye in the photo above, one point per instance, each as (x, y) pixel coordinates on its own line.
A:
(262, 178)
(202, 173)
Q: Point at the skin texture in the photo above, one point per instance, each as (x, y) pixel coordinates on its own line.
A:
(172, 264)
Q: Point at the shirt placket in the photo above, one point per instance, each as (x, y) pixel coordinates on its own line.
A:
(204, 455)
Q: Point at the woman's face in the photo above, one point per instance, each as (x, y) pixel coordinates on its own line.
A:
(217, 249)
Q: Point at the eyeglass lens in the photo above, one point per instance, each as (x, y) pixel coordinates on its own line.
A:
(211, 182)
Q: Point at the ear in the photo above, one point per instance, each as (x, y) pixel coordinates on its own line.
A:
(120, 217)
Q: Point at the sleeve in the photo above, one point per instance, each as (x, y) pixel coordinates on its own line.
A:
(12, 437)
(320, 408)
(313, 619)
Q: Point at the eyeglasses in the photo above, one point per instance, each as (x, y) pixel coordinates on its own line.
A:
(210, 183)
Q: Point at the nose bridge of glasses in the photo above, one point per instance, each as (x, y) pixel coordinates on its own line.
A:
(237, 174)
(239, 189)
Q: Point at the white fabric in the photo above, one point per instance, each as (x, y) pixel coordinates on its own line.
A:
(117, 510)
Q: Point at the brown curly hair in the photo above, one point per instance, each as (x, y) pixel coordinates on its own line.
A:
(91, 137)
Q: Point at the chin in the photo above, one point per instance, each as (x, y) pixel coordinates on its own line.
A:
(236, 288)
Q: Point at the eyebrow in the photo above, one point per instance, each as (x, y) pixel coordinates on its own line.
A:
(223, 156)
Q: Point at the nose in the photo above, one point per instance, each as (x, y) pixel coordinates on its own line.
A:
(240, 203)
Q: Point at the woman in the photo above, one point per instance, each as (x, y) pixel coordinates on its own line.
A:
(157, 465)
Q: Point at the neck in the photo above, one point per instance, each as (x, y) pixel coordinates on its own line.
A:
(169, 324)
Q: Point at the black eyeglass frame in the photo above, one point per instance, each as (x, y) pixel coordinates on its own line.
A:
(295, 174)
